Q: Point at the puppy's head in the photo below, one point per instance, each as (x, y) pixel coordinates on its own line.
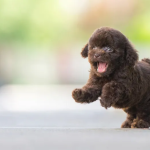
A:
(108, 50)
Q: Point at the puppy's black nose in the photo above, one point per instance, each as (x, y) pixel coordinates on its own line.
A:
(96, 55)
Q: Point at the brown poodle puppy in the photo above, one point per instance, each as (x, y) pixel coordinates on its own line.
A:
(117, 77)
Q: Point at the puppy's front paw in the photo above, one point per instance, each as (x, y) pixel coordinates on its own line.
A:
(105, 103)
(126, 124)
(76, 94)
(79, 96)
(109, 94)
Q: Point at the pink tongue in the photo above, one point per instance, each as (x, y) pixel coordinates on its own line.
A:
(101, 67)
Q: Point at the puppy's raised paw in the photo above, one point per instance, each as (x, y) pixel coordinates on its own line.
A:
(79, 96)
(105, 103)
(76, 94)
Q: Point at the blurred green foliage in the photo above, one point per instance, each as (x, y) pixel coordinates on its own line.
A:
(138, 29)
(40, 40)
(32, 21)
(45, 22)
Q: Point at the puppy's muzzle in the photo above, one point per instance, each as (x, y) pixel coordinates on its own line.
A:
(98, 55)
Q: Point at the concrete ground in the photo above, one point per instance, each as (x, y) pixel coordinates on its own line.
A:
(41, 118)
(73, 139)
(69, 130)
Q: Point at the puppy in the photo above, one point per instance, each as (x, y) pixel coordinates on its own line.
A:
(117, 77)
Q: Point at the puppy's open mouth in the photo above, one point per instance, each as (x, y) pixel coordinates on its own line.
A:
(101, 67)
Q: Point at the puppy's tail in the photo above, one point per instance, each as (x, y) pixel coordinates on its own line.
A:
(147, 60)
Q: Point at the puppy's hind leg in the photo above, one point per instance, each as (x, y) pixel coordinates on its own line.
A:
(141, 121)
(127, 123)
(131, 115)
(143, 115)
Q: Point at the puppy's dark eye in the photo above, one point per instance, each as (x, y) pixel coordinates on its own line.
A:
(107, 49)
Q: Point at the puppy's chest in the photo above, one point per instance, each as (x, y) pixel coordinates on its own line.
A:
(102, 82)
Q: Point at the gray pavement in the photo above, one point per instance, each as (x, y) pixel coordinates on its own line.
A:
(73, 139)
(69, 130)
(47, 118)
(64, 118)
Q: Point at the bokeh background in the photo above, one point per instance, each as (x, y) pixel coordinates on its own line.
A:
(40, 41)
(40, 44)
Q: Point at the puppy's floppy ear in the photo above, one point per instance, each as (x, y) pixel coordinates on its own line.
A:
(131, 54)
(84, 51)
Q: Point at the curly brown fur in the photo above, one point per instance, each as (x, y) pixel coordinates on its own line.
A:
(117, 77)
